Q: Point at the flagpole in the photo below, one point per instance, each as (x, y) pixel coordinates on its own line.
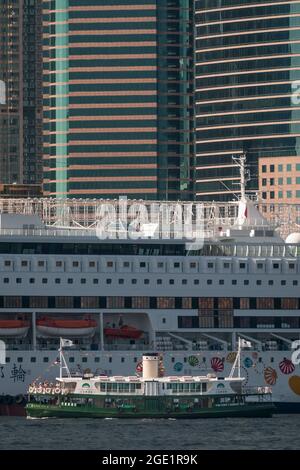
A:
(60, 358)
(239, 361)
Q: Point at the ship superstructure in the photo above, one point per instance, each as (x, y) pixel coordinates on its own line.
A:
(117, 298)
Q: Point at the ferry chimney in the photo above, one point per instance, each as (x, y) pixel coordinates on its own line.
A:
(150, 366)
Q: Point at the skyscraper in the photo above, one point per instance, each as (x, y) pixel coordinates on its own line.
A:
(247, 62)
(118, 98)
(21, 111)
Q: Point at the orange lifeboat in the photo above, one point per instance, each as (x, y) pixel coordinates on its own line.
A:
(124, 331)
(66, 327)
(14, 328)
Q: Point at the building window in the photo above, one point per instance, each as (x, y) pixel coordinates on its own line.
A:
(75, 264)
(289, 167)
(58, 264)
(209, 281)
(109, 264)
(159, 281)
(95, 281)
(184, 282)
(121, 281)
(70, 281)
(272, 194)
(133, 281)
(6, 280)
(271, 282)
(176, 265)
(221, 282)
(57, 280)
(210, 265)
(280, 194)
(246, 282)
(108, 281)
(280, 168)
(289, 180)
(234, 282)
(196, 282)
(271, 181)
(264, 181)
(24, 263)
(171, 282)
(160, 265)
(193, 265)
(45, 359)
(289, 194)
(92, 264)
(283, 283)
(264, 195)
(146, 281)
(32, 280)
(142, 264)
(44, 280)
(242, 265)
(83, 280)
(19, 280)
(33, 359)
(126, 264)
(272, 168)
(7, 263)
(280, 181)
(295, 283)
(258, 282)
(264, 168)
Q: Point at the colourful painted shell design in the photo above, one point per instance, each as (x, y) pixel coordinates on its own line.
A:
(193, 361)
(248, 362)
(286, 366)
(231, 357)
(178, 366)
(270, 376)
(217, 364)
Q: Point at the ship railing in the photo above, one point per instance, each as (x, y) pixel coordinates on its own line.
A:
(257, 390)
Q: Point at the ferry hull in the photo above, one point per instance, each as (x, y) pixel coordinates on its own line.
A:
(245, 411)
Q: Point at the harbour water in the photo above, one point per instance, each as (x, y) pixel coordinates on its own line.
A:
(280, 432)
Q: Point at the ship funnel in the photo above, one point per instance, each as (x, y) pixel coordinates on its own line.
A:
(150, 366)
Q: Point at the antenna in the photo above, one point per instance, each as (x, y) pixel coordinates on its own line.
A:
(245, 174)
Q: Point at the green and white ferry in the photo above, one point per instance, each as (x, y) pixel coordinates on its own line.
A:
(149, 396)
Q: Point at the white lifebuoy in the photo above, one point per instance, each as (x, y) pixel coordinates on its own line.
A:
(48, 390)
(57, 390)
(39, 390)
(32, 389)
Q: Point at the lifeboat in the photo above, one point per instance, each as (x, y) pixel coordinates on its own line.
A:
(124, 331)
(66, 327)
(16, 328)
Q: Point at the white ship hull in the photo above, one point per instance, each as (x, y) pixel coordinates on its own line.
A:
(14, 332)
(257, 368)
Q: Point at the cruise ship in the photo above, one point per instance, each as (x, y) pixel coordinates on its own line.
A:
(115, 299)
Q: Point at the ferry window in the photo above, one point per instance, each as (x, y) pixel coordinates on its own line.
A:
(283, 283)
(133, 281)
(135, 359)
(164, 320)
(75, 264)
(102, 387)
(95, 281)
(121, 281)
(58, 264)
(210, 265)
(271, 282)
(234, 282)
(110, 359)
(20, 359)
(46, 359)
(109, 264)
(7, 263)
(209, 281)
(41, 263)
(160, 265)
(204, 387)
(173, 359)
(57, 280)
(83, 280)
(196, 282)
(184, 282)
(246, 282)
(7, 359)
(176, 265)
(108, 281)
(159, 281)
(33, 359)
(84, 359)
(171, 281)
(295, 283)
(122, 359)
(221, 282)
(272, 359)
(44, 280)
(71, 359)
(32, 280)
(146, 281)
(126, 264)
(142, 264)
(24, 263)
(259, 359)
(97, 359)
(70, 281)
(258, 282)
(19, 280)
(92, 264)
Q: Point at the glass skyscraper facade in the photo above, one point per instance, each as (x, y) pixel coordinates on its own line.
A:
(21, 71)
(247, 66)
(119, 98)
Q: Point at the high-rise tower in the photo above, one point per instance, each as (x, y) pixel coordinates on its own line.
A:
(21, 111)
(247, 95)
(118, 98)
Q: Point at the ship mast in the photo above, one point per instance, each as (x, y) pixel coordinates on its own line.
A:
(244, 174)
